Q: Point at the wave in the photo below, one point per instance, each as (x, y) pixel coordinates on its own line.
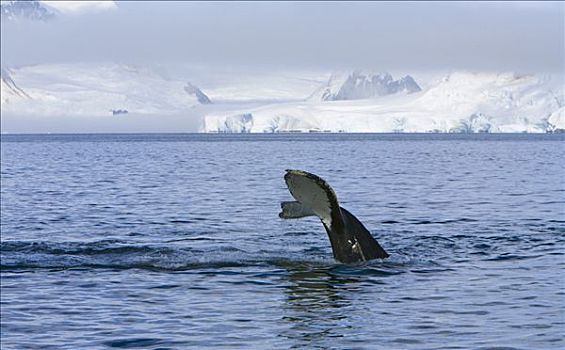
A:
(415, 252)
(22, 256)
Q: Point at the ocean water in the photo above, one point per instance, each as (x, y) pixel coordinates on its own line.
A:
(173, 242)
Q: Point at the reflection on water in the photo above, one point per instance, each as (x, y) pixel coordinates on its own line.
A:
(316, 305)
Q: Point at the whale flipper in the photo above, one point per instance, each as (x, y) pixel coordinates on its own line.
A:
(350, 240)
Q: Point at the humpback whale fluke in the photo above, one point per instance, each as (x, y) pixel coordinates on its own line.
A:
(350, 240)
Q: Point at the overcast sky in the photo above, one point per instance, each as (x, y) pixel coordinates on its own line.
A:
(522, 36)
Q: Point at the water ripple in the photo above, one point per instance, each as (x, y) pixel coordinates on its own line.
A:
(173, 242)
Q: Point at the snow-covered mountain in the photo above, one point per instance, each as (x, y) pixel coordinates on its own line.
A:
(9, 90)
(277, 101)
(94, 89)
(361, 85)
(196, 92)
(459, 102)
(34, 10)
(244, 85)
(30, 10)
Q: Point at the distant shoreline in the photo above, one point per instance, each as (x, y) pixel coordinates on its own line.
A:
(275, 137)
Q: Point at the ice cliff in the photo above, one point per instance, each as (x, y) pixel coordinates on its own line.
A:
(458, 102)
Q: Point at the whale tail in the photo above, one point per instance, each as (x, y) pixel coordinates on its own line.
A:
(369, 245)
(350, 240)
(294, 210)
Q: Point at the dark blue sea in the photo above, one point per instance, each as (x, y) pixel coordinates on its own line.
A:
(172, 241)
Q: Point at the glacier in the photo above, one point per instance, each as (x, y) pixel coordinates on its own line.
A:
(457, 102)
(228, 100)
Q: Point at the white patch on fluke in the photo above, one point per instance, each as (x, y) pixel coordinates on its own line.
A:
(309, 193)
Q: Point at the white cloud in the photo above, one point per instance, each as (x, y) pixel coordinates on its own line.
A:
(404, 36)
(81, 7)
